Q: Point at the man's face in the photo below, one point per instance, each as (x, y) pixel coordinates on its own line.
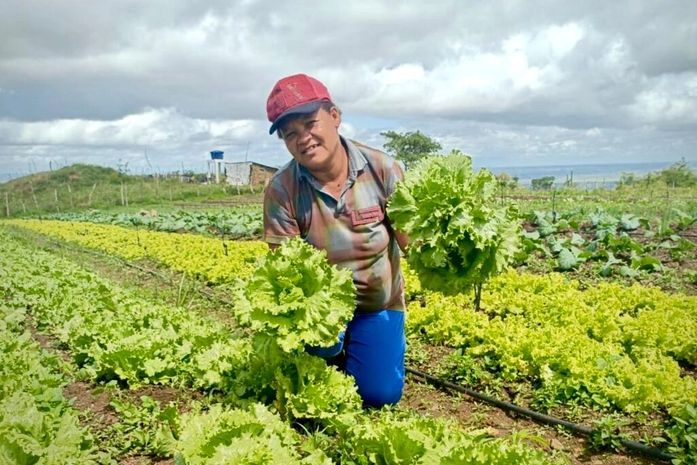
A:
(313, 138)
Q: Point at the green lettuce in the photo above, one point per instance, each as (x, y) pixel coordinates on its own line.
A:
(459, 232)
(254, 436)
(296, 297)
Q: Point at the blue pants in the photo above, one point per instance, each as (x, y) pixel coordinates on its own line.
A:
(373, 345)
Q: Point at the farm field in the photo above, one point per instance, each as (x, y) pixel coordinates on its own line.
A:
(114, 338)
(440, 326)
(134, 320)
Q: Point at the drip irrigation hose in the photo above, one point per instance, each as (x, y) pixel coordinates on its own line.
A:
(632, 446)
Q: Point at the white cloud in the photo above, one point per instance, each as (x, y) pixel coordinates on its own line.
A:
(669, 99)
(524, 81)
(165, 127)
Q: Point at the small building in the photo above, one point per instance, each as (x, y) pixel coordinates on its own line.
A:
(248, 173)
(238, 173)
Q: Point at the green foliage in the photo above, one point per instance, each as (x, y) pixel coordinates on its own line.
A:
(146, 429)
(114, 334)
(296, 297)
(506, 181)
(459, 235)
(77, 175)
(92, 319)
(409, 147)
(231, 223)
(402, 438)
(209, 258)
(544, 183)
(683, 434)
(607, 347)
(79, 187)
(252, 436)
(294, 300)
(37, 424)
(679, 174)
(607, 434)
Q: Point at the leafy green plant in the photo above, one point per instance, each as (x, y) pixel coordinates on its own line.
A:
(252, 436)
(607, 433)
(145, 429)
(37, 423)
(296, 298)
(683, 435)
(459, 235)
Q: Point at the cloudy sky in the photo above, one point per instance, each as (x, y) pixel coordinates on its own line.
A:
(156, 85)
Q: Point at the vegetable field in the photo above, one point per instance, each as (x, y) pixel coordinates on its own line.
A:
(180, 339)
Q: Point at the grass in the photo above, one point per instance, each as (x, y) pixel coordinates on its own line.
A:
(79, 187)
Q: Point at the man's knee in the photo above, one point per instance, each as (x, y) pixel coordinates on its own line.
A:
(380, 395)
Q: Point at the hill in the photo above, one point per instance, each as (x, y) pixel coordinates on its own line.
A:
(77, 176)
(81, 187)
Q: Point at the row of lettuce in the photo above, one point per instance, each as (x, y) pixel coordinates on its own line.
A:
(608, 347)
(37, 423)
(259, 384)
(610, 244)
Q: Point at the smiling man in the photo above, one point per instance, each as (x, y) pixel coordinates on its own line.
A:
(333, 194)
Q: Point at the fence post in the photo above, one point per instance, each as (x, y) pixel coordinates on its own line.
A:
(89, 196)
(36, 203)
(55, 196)
(70, 191)
(7, 205)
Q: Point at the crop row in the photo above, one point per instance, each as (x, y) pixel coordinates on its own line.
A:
(210, 259)
(37, 423)
(113, 334)
(609, 346)
(542, 327)
(232, 223)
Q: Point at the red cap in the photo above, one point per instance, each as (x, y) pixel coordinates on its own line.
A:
(295, 94)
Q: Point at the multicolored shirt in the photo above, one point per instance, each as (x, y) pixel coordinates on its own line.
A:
(353, 230)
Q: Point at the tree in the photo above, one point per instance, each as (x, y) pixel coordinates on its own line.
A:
(679, 174)
(542, 184)
(506, 181)
(409, 147)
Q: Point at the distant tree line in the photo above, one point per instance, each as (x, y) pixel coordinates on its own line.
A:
(410, 147)
(678, 174)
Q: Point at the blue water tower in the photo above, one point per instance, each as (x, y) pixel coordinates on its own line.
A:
(217, 155)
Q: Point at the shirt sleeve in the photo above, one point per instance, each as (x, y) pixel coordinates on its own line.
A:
(393, 174)
(279, 223)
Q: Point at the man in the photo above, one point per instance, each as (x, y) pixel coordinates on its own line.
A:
(333, 194)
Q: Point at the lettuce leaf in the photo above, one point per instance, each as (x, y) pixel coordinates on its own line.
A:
(296, 297)
(459, 232)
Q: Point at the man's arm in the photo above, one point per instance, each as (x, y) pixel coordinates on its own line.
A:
(279, 224)
(402, 240)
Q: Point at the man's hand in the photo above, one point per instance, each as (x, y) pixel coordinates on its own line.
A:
(402, 240)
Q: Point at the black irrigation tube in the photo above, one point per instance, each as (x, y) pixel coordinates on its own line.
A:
(632, 446)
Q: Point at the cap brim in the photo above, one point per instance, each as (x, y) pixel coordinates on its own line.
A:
(300, 109)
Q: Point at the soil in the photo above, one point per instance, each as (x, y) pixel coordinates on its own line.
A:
(472, 414)
(424, 398)
(418, 396)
